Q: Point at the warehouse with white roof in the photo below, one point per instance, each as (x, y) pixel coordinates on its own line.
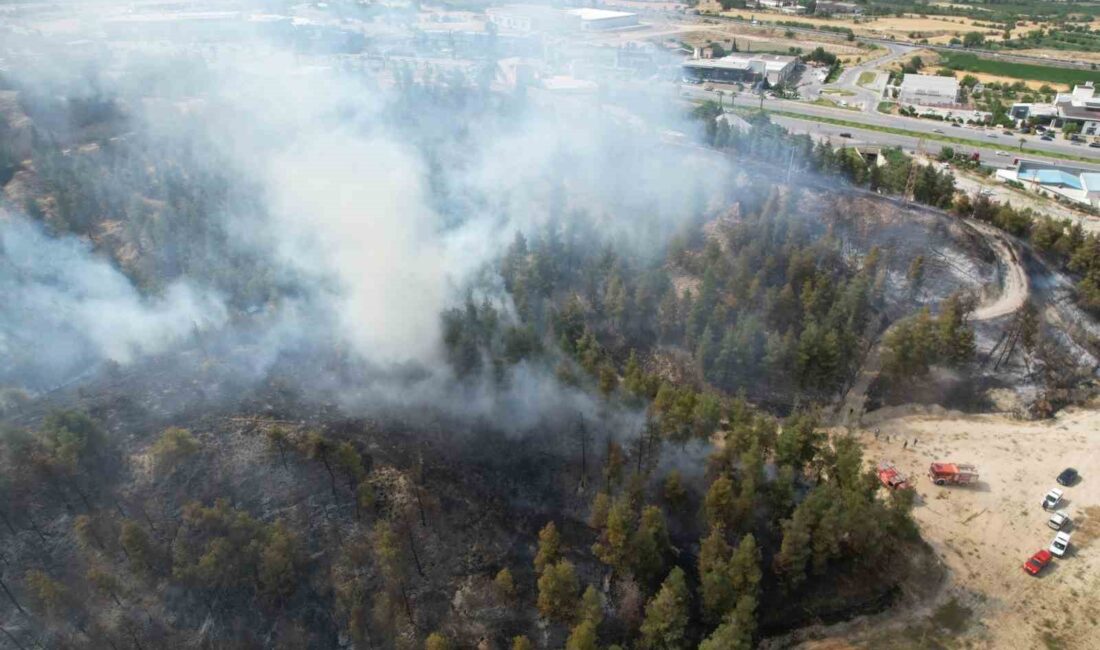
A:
(593, 20)
(928, 90)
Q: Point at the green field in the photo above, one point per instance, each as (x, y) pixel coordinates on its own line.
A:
(972, 63)
(866, 78)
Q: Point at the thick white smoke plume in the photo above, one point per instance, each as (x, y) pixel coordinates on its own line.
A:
(350, 215)
(64, 307)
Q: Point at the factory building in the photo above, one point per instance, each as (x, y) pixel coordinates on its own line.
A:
(741, 67)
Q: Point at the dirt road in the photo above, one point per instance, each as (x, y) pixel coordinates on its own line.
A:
(985, 533)
(1014, 289)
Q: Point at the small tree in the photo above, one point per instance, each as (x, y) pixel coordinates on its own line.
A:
(582, 637)
(52, 595)
(278, 438)
(505, 585)
(173, 447)
(715, 586)
(347, 459)
(591, 606)
(522, 643)
(320, 448)
(549, 547)
(667, 615)
(719, 504)
(437, 641)
(139, 548)
(558, 588)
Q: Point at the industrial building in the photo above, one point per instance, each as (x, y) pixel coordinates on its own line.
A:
(741, 67)
(595, 20)
(928, 90)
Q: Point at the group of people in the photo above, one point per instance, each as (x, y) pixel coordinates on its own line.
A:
(905, 441)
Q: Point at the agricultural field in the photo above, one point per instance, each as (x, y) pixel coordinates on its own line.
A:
(971, 63)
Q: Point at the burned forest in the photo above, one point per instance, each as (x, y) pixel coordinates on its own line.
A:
(311, 342)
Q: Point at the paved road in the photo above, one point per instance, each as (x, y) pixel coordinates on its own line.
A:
(849, 78)
(996, 139)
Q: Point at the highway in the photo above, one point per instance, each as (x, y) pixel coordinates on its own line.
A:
(994, 137)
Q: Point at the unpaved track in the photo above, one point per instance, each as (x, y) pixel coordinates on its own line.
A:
(1014, 287)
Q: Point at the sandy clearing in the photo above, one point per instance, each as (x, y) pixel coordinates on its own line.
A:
(984, 533)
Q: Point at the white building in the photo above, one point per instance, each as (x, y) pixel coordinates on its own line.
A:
(741, 67)
(1073, 183)
(593, 20)
(928, 90)
(1081, 106)
(525, 18)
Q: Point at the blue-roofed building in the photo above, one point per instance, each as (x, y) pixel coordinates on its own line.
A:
(1073, 183)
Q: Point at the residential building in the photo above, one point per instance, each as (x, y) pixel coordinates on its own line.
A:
(741, 67)
(1081, 106)
(928, 90)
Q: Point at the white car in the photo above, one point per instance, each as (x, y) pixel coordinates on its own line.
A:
(1052, 499)
(1058, 520)
(1060, 544)
(1002, 153)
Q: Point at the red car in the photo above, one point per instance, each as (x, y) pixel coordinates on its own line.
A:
(1036, 563)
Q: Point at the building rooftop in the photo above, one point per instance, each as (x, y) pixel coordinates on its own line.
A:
(598, 14)
(1091, 181)
(929, 83)
(1050, 177)
(743, 61)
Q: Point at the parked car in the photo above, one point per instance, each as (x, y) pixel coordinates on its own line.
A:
(1036, 562)
(1002, 153)
(1058, 520)
(991, 135)
(1047, 137)
(1060, 544)
(1068, 477)
(1095, 145)
(955, 124)
(1007, 132)
(1052, 499)
(937, 130)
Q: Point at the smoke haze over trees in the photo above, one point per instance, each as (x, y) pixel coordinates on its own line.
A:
(308, 352)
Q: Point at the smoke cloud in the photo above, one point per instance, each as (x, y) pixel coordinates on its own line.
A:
(65, 307)
(375, 223)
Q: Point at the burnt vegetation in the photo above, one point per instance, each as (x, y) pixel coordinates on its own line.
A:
(697, 502)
